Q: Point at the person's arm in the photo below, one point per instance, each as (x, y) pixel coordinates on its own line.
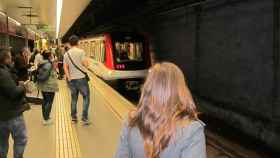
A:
(66, 69)
(19, 62)
(85, 61)
(195, 146)
(123, 148)
(9, 88)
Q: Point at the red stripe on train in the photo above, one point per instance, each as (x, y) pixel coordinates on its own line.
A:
(109, 52)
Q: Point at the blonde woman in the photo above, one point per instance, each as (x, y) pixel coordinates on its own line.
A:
(165, 123)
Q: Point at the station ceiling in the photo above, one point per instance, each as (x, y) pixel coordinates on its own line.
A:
(105, 12)
(43, 13)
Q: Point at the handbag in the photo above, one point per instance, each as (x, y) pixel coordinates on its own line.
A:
(33, 96)
(86, 75)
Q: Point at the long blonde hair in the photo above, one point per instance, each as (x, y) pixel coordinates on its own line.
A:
(164, 101)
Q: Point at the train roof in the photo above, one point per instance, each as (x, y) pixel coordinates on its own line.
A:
(115, 29)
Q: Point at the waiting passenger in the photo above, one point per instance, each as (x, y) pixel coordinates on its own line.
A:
(47, 84)
(32, 58)
(75, 63)
(22, 65)
(11, 108)
(59, 55)
(165, 123)
(38, 58)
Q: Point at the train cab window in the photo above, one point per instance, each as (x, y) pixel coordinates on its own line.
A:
(129, 51)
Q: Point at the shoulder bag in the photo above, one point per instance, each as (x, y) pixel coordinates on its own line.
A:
(86, 75)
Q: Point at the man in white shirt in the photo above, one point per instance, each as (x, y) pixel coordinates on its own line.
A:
(76, 77)
(38, 59)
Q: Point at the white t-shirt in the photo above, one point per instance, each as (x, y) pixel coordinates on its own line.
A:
(38, 59)
(78, 55)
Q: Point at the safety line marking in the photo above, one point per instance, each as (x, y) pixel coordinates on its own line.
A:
(67, 143)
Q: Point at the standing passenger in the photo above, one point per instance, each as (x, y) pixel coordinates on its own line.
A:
(38, 59)
(32, 58)
(59, 54)
(47, 84)
(165, 124)
(11, 108)
(75, 64)
(22, 65)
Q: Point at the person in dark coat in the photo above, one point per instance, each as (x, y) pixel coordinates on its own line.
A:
(21, 65)
(12, 98)
(59, 53)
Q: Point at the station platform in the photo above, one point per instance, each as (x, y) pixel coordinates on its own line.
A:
(107, 111)
(63, 139)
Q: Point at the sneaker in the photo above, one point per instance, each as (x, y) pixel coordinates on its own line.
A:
(86, 122)
(47, 122)
(74, 120)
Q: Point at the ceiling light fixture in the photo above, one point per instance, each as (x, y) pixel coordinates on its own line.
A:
(1, 13)
(14, 21)
(58, 15)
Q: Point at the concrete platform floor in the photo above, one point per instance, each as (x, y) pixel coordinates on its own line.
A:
(66, 140)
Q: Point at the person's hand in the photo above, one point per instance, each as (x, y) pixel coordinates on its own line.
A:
(26, 86)
(68, 79)
(21, 83)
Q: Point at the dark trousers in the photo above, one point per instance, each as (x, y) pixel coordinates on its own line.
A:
(61, 71)
(17, 129)
(48, 98)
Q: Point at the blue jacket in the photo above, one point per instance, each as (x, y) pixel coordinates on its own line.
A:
(189, 142)
(50, 85)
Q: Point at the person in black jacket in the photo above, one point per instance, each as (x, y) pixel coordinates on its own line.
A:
(12, 99)
(22, 65)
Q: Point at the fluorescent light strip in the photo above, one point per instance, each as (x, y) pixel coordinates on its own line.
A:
(2, 13)
(14, 21)
(58, 15)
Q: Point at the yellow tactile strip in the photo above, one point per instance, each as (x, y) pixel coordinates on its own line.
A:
(67, 144)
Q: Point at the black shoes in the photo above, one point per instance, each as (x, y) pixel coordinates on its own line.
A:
(74, 120)
(84, 121)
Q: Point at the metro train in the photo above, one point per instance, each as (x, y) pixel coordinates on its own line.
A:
(121, 59)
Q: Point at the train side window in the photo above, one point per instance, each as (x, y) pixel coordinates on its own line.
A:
(100, 51)
(92, 51)
(85, 47)
(102, 44)
(97, 50)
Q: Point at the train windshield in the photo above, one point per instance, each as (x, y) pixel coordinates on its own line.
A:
(128, 51)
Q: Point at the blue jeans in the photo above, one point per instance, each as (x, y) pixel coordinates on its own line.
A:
(79, 86)
(48, 98)
(16, 127)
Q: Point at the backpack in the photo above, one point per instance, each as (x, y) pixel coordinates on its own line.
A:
(43, 72)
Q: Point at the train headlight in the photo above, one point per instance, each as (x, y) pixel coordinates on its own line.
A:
(110, 72)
